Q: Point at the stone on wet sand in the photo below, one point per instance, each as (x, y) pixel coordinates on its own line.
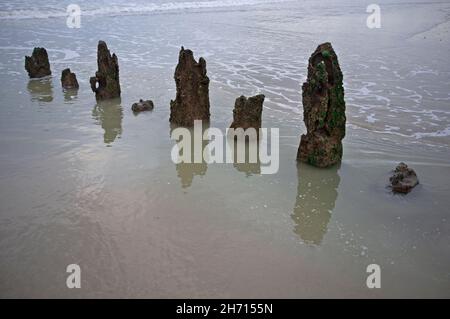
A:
(248, 112)
(403, 179)
(323, 110)
(105, 84)
(142, 106)
(192, 84)
(38, 65)
(69, 79)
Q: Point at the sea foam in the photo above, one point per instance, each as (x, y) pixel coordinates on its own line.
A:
(113, 10)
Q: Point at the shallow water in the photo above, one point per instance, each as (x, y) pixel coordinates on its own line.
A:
(93, 184)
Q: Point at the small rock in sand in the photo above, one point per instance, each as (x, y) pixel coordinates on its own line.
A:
(404, 179)
(142, 106)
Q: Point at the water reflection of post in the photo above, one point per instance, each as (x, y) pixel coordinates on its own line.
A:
(247, 166)
(109, 115)
(316, 197)
(41, 89)
(70, 94)
(187, 171)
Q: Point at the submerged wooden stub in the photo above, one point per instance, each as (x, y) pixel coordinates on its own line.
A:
(105, 84)
(192, 84)
(37, 65)
(323, 110)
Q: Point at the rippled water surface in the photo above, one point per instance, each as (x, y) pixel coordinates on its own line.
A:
(93, 184)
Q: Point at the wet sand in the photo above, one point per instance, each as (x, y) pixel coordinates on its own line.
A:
(93, 184)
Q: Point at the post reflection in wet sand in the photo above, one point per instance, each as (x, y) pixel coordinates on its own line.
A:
(187, 171)
(109, 115)
(248, 167)
(70, 94)
(41, 90)
(316, 198)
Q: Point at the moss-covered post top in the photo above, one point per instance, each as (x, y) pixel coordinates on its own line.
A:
(323, 109)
